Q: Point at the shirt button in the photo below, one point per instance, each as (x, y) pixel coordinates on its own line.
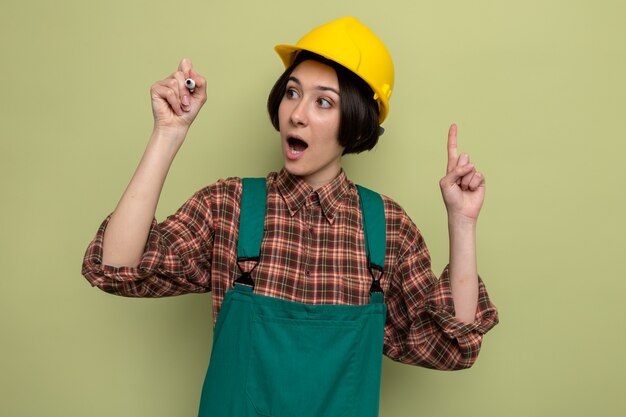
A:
(308, 273)
(330, 216)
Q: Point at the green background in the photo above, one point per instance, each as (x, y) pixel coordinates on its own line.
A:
(537, 88)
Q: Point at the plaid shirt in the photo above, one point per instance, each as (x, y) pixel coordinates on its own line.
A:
(313, 252)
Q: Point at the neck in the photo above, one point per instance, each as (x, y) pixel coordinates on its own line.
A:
(318, 181)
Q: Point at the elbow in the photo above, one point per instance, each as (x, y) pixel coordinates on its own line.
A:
(454, 361)
(461, 364)
(442, 354)
(97, 277)
(463, 353)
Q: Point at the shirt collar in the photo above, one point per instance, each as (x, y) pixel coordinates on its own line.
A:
(295, 192)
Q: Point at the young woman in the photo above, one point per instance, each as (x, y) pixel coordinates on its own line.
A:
(303, 333)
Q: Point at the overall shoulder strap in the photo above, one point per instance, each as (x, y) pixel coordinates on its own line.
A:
(374, 226)
(251, 218)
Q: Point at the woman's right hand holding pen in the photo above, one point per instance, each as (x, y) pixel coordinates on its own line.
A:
(174, 106)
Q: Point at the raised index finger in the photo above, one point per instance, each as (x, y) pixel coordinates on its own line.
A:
(185, 67)
(453, 157)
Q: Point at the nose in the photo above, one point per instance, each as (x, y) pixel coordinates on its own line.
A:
(298, 115)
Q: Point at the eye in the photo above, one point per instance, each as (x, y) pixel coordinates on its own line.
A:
(291, 93)
(324, 103)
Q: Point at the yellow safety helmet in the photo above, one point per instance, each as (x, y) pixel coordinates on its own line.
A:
(353, 45)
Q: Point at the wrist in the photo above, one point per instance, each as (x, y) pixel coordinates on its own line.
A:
(167, 140)
(171, 133)
(456, 220)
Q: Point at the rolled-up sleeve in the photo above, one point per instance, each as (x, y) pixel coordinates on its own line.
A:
(421, 326)
(176, 258)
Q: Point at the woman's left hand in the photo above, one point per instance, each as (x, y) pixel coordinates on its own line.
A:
(463, 188)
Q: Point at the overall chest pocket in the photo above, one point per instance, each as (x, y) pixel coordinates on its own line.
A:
(303, 367)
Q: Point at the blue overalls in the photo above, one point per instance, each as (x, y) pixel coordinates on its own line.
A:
(278, 358)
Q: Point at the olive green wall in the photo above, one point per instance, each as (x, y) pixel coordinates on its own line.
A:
(537, 87)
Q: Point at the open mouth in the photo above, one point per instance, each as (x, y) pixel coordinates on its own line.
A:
(296, 145)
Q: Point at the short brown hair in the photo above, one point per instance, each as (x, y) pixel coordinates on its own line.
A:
(358, 123)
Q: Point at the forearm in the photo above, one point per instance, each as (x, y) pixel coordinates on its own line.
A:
(127, 232)
(463, 267)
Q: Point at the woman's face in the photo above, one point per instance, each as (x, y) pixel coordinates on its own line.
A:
(308, 118)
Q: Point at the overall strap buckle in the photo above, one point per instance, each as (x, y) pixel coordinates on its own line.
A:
(246, 276)
(375, 287)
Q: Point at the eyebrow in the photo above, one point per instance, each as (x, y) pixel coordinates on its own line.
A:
(319, 87)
